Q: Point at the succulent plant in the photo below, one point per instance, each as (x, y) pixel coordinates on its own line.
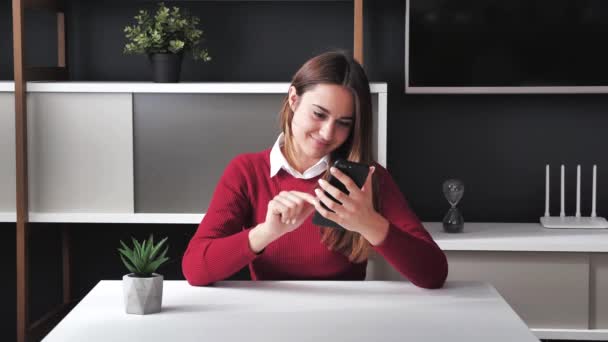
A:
(144, 258)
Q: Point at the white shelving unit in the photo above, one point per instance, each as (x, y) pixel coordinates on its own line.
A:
(92, 178)
(81, 153)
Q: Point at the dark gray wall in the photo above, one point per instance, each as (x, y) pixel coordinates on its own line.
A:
(8, 286)
(6, 41)
(40, 42)
(249, 41)
(497, 144)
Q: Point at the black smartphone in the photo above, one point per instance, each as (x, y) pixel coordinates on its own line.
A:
(357, 172)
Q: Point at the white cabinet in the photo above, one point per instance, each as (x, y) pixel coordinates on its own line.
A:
(554, 279)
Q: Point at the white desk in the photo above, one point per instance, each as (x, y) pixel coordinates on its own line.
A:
(299, 311)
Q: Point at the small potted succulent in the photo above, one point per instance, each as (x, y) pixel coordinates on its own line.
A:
(143, 288)
(164, 37)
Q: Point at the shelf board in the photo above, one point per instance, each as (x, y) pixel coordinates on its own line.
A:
(477, 236)
(150, 87)
(7, 86)
(572, 334)
(8, 217)
(116, 218)
(519, 237)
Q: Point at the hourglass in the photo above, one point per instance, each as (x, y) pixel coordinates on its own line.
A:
(453, 222)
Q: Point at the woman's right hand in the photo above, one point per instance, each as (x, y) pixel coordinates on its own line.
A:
(288, 210)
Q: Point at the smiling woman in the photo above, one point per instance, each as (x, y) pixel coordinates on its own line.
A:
(260, 213)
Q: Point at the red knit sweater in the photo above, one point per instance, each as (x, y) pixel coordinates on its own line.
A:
(220, 246)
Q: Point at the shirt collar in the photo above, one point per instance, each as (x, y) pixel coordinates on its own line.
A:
(278, 161)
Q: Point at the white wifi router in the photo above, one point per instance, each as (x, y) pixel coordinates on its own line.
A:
(576, 221)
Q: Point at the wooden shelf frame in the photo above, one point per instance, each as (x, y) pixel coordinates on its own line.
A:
(23, 73)
(358, 31)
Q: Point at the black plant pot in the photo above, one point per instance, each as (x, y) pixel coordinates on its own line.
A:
(166, 67)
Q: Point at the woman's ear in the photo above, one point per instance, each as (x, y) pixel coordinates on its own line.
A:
(292, 97)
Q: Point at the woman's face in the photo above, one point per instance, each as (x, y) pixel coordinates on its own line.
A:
(322, 121)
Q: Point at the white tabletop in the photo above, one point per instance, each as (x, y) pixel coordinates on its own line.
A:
(249, 311)
(533, 237)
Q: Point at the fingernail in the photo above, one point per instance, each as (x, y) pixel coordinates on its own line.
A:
(332, 169)
(293, 221)
(317, 191)
(321, 181)
(373, 169)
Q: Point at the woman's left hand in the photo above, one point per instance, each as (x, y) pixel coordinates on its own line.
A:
(356, 213)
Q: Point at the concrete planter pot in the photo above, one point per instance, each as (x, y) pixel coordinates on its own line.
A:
(142, 295)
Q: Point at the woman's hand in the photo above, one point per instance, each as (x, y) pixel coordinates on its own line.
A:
(356, 213)
(288, 210)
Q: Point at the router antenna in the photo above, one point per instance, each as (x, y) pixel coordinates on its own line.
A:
(547, 191)
(593, 194)
(562, 212)
(578, 191)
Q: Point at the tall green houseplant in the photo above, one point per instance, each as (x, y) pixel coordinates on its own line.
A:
(164, 37)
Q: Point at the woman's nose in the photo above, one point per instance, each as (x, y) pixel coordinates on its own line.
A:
(327, 131)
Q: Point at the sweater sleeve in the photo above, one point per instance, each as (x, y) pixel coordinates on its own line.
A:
(220, 246)
(408, 247)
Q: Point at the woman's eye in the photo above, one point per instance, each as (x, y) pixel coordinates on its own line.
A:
(319, 115)
(344, 123)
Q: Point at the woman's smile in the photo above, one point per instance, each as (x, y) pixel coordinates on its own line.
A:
(319, 143)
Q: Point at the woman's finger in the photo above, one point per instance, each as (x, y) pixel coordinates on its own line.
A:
(326, 213)
(348, 182)
(290, 205)
(341, 197)
(329, 203)
(299, 202)
(367, 187)
(280, 209)
(310, 199)
(308, 203)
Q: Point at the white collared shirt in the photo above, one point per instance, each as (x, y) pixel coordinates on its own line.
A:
(278, 161)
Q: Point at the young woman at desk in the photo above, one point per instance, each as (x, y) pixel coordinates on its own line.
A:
(261, 211)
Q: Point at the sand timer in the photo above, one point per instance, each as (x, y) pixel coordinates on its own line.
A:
(453, 222)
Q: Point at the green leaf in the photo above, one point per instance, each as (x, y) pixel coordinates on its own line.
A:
(176, 46)
(162, 256)
(129, 260)
(150, 244)
(157, 248)
(124, 252)
(144, 247)
(128, 266)
(137, 247)
(124, 246)
(156, 264)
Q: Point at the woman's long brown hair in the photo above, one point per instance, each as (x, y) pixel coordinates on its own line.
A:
(338, 68)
